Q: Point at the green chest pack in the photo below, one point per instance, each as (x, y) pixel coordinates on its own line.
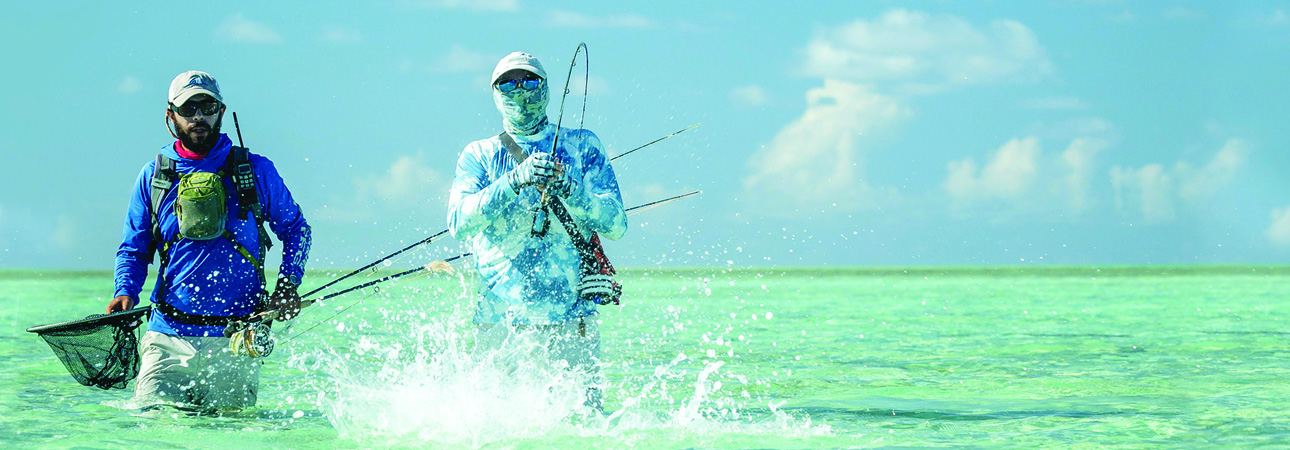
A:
(200, 206)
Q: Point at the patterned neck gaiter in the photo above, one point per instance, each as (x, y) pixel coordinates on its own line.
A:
(523, 111)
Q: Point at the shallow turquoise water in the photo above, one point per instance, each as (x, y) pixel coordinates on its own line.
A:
(770, 358)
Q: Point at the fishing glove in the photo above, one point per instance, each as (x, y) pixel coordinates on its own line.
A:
(564, 184)
(285, 299)
(538, 168)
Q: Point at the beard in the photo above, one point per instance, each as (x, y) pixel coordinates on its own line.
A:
(203, 144)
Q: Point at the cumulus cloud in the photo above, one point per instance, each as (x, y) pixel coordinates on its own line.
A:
(1276, 18)
(1158, 191)
(408, 179)
(572, 19)
(338, 35)
(1201, 183)
(1077, 128)
(1008, 173)
(1078, 160)
(476, 5)
(1279, 230)
(929, 51)
(64, 234)
(1053, 104)
(408, 186)
(461, 59)
(1021, 173)
(818, 159)
(751, 95)
(129, 85)
(1179, 13)
(237, 28)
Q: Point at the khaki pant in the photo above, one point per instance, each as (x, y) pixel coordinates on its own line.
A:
(196, 372)
(576, 343)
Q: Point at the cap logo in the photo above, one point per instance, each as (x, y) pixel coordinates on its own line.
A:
(197, 80)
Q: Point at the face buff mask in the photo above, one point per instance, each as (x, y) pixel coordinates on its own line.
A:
(523, 111)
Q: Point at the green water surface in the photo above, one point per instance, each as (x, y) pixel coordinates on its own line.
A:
(1132, 357)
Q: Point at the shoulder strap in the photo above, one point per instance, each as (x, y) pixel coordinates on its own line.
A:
(163, 179)
(514, 149)
(239, 170)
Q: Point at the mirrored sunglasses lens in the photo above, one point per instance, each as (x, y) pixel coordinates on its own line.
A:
(531, 84)
(190, 109)
(210, 108)
(507, 86)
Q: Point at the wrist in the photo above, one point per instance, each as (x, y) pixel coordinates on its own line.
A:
(288, 282)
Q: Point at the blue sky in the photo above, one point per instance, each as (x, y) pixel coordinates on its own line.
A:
(834, 133)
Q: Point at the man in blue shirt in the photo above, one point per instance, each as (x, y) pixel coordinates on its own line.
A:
(205, 280)
(530, 281)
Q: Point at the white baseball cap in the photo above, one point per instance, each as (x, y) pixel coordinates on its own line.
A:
(518, 60)
(191, 83)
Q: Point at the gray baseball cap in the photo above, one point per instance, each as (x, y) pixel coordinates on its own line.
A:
(191, 83)
(518, 60)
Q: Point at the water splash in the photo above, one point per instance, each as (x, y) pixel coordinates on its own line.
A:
(415, 378)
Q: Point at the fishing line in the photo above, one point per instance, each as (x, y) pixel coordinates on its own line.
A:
(426, 268)
(430, 268)
(691, 127)
(374, 263)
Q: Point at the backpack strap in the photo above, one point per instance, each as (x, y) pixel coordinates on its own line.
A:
(163, 179)
(240, 172)
(591, 263)
(514, 149)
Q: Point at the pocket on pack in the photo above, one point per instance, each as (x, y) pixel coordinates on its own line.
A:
(200, 206)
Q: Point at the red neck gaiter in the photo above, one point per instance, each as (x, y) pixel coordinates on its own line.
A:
(184, 153)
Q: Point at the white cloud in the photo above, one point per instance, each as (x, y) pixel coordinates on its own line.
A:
(1018, 173)
(1053, 104)
(1179, 13)
(913, 47)
(751, 95)
(1078, 162)
(476, 5)
(818, 159)
(64, 234)
(238, 28)
(572, 19)
(460, 59)
(1070, 129)
(1009, 173)
(129, 85)
(1123, 17)
(338, 35)
(1279, 230)
(1160, 191)
(595, 86)
(1276, 18)
(409, 179)
(1153, 186)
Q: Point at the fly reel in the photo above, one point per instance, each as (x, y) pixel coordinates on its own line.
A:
(255, 341)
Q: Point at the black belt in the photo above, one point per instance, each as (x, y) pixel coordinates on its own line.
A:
(195, 319)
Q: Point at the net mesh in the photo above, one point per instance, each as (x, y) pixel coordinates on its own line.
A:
(100, 350)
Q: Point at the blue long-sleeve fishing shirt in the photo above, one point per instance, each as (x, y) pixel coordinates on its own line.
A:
(209, 278)
(529, 280)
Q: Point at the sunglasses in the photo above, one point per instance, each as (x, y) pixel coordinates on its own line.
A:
(190, 109)
(527, 83)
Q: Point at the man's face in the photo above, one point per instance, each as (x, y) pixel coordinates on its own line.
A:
(516, 81)
(521, 96)
(197, 122)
